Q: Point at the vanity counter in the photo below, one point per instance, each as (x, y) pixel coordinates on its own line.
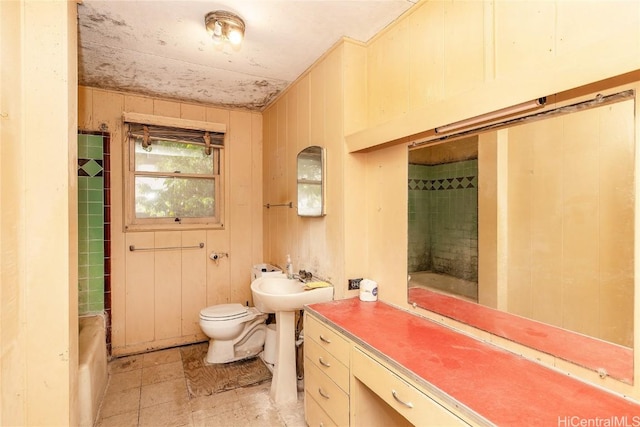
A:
(487, 383)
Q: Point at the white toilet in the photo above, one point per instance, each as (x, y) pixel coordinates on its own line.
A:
(235, 332)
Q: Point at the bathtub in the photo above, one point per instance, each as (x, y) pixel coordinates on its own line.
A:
(445, 283)
(92, 367)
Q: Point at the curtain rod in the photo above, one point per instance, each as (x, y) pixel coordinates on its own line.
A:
(530, 105)
(579, 106)
(214, 141)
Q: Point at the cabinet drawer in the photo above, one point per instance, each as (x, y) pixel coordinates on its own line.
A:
(327, 363)
(315, 415)
(333, 400)
(328, 339)
(418, 408)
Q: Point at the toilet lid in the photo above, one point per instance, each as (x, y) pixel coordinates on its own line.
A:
(224, 312)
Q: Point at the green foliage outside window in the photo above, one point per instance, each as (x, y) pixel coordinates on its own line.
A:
(175, 180)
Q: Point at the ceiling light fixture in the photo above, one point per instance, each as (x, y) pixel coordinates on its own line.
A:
(537, 103)
(225, 26)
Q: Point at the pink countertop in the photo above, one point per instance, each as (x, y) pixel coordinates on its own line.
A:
(501, 387)
(577, 348)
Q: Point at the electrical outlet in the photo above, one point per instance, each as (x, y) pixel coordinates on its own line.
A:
(354, 283)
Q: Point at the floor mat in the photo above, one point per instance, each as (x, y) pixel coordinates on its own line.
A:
(204, 379)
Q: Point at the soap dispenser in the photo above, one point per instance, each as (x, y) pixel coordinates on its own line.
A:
(289, 267)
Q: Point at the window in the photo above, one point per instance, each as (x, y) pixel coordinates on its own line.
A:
(174, 177)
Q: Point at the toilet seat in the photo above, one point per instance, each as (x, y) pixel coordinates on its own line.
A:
(224, 312)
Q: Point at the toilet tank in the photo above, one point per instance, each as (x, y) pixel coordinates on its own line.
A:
(260, 270)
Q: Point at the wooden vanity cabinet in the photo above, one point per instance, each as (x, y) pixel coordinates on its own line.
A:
(347, 385)
(407, 370)
(380, 397)
(326, 368)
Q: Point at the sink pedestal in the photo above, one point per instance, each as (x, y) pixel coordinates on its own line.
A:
(285, 297)
(284, 382)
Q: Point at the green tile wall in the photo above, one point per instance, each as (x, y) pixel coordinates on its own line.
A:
(91, 256)
(443, 219)
(419, 225)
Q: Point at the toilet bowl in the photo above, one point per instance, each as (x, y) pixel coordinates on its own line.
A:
(235, 332)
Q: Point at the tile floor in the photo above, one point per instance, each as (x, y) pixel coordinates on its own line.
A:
(151, 390)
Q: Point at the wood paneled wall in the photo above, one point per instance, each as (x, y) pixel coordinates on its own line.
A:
(443, 62)
(450, 60)
(38, 214)
(309, 113)
(157, 295)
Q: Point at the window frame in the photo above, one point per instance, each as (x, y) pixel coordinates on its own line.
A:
(133, 223)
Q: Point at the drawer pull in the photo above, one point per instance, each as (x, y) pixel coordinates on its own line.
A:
(322, 393)
(323, 339)
(395, 396)
(323, 363)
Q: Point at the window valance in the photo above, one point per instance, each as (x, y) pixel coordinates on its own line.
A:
(149, 128)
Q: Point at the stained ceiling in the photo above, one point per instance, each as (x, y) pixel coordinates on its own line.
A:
(162, 49)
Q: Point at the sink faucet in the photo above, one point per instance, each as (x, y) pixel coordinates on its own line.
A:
(304, 276)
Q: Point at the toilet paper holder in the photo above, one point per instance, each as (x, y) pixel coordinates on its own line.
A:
(217, 255)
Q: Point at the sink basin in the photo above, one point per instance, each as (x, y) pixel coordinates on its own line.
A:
(272, 294)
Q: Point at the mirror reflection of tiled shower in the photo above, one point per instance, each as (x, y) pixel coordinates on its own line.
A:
(443, 218)
(93, 223)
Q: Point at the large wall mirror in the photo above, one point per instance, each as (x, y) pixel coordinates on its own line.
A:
(311, 176)
(534, 218)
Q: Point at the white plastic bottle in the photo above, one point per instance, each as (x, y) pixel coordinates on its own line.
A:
(289, 267)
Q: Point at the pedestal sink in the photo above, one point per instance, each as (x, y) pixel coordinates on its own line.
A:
(284, 297)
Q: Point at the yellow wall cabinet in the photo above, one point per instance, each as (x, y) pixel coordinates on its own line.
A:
(477, 57)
